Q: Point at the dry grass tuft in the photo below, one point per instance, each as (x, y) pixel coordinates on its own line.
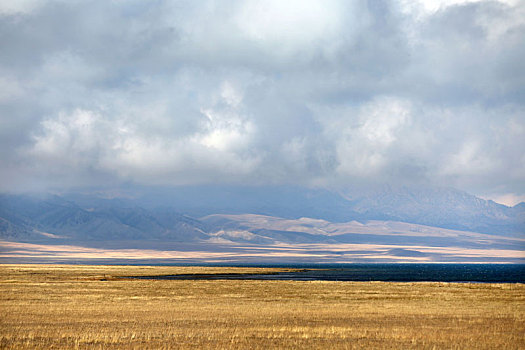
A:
(46, 306)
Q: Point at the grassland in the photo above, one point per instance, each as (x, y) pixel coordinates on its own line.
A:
(46, 306)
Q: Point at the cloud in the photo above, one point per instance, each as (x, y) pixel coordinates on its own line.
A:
(508, 199)
(18, 7)
(256, 92)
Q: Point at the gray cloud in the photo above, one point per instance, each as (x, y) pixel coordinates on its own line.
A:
(316, 93)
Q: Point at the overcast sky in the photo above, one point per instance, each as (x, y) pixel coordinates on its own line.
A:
(316, 93)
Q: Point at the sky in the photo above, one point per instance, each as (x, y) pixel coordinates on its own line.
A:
(311, 93)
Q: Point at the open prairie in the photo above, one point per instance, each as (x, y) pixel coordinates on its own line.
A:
(64, 306)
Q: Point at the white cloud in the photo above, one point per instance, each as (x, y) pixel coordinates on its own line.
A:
(292, 27)
(430, 7)
(509, 199)
(310, 92)
(70, 138)
(87, 140)
(365, 136)
(471, 159)
(382, 118)
(11, 7)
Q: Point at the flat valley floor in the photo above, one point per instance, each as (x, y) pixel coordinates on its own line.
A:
(98, 307)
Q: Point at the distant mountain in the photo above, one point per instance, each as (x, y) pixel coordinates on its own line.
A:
(29, 217)
(441, 207)
(260, 229)
(260, 225)
(170, 214)
(282, 201)
(434, 206)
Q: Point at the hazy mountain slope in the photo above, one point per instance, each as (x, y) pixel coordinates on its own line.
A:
(254, 228)
(25, 216)
(50, 227)
(441, 207)
(290, 201)
(16, 231)
(157, 216)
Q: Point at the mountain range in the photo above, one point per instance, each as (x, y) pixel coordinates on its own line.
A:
(440, 207)
(266, 216)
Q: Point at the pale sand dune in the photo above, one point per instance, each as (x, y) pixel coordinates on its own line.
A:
(317, 226)
(335, 253)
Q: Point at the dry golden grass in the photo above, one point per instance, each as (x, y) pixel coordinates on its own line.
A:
(45, 306)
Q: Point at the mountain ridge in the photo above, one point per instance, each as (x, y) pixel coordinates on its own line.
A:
(174, 214)
(50, 228)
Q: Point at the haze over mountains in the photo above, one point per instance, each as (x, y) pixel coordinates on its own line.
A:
(219, 216)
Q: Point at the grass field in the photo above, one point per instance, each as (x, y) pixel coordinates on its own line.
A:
(59, 306)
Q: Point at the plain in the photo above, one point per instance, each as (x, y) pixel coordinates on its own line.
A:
(66, 306)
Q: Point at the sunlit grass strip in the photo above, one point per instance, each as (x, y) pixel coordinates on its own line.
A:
(89, 307)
